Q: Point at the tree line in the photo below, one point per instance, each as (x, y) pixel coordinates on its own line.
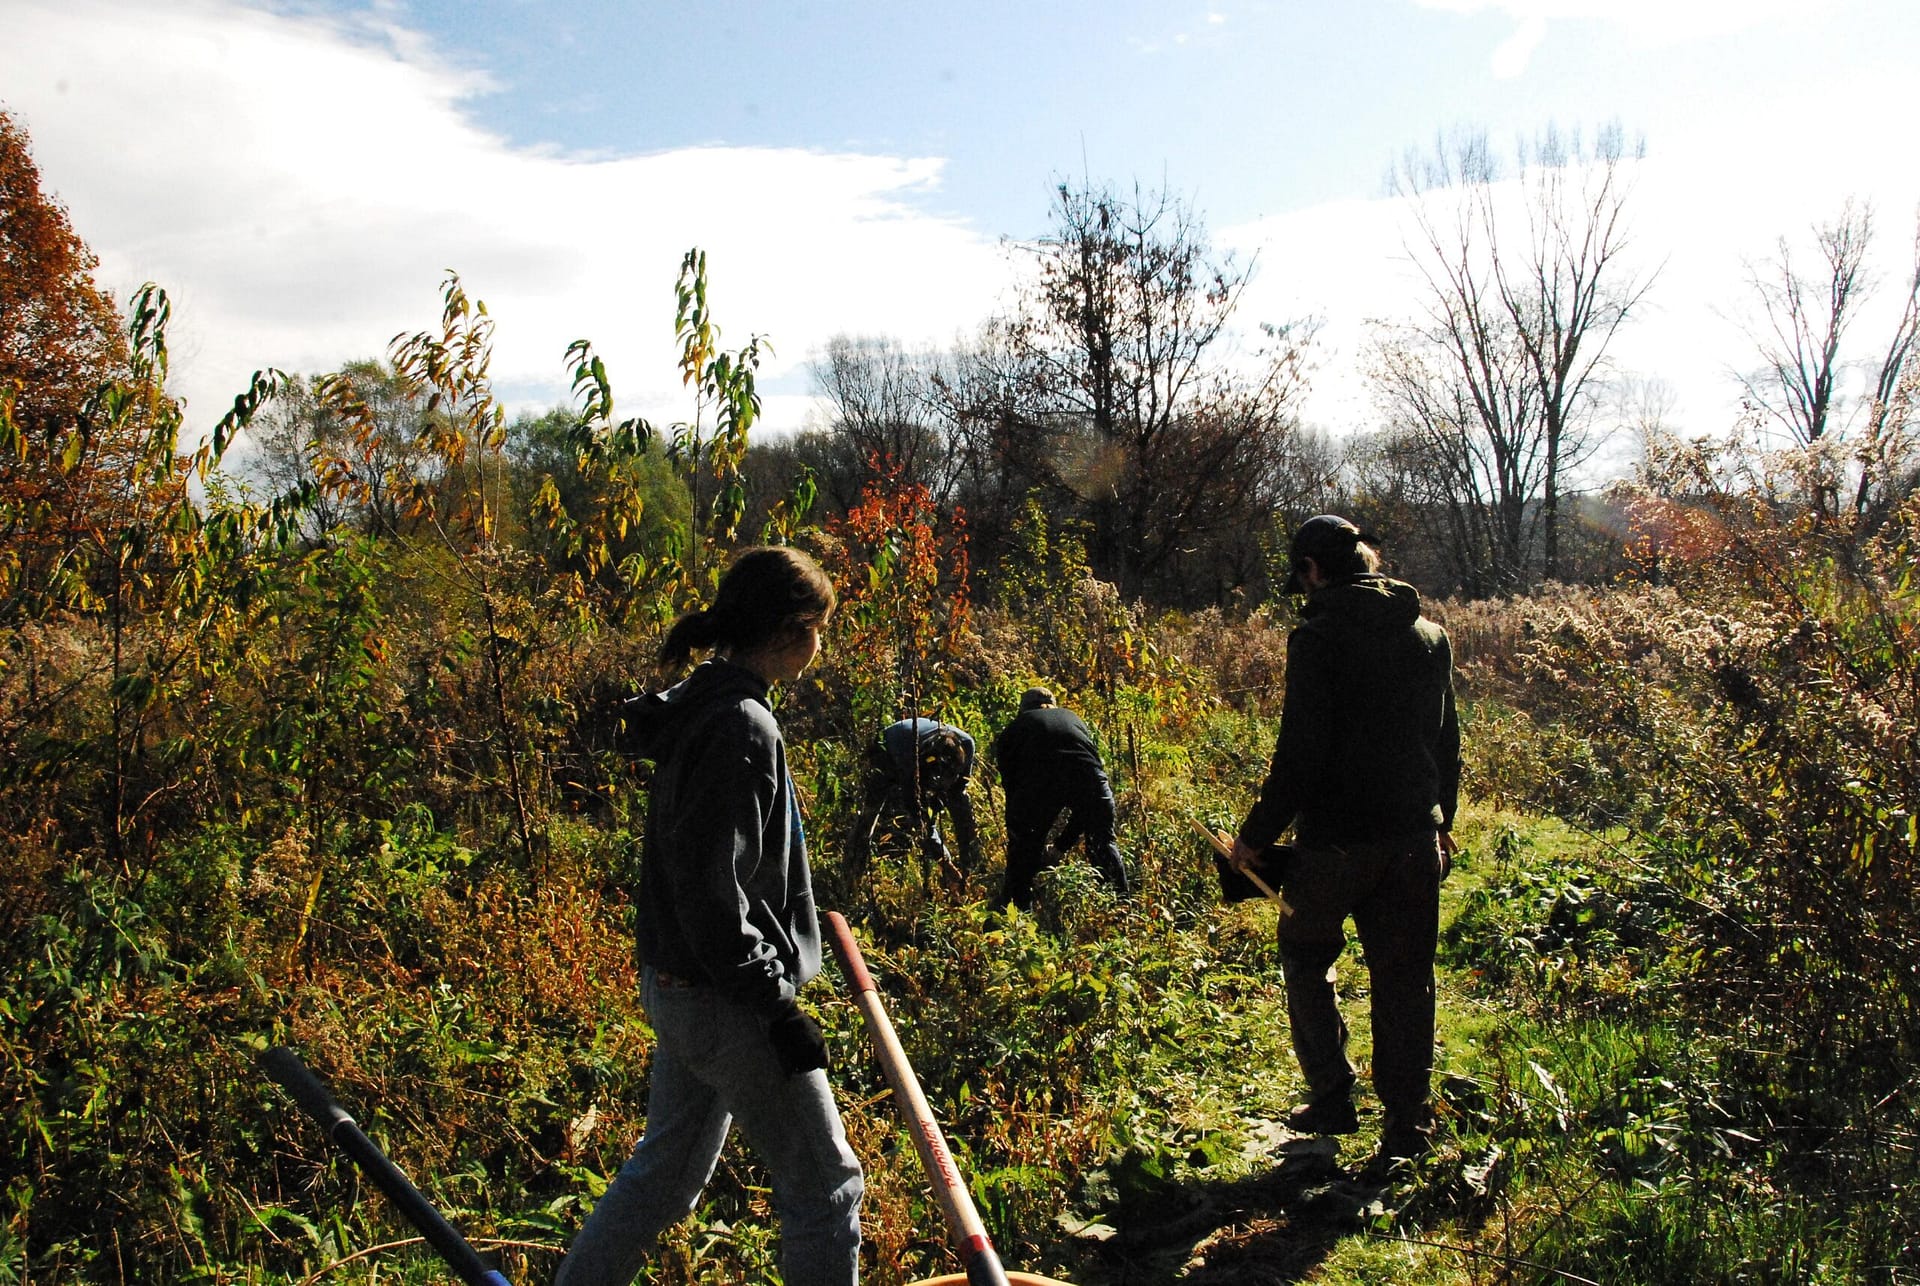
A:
(1119, 390)
(1125, 394)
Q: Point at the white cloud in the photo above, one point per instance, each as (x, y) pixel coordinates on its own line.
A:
(299, 186)
(1336, 262)
(1510, 59)
(1698, 213)
(1651, 22)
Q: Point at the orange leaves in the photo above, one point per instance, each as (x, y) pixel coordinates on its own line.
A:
(59, 333)
(904, 582)
(1663, 527)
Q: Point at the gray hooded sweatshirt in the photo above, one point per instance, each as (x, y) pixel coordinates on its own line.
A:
(725, 896)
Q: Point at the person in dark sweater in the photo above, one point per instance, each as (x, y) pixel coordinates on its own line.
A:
(917, 769)
(1366, 771)
(1049, 764)
(727, 936)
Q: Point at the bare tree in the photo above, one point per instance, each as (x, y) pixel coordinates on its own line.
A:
(1644, 405)
(1805, 318)
(1805, 314)
(1889, 456)
(1163, 428)
(1464, 446)
(1906, 331)
(886, 407)
(1526, 286)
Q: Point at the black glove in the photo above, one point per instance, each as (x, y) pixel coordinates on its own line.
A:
(798, 1043)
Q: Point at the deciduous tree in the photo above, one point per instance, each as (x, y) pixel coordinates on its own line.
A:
(60, 341)
(1463, 444)
(1527, 282)
(1168, 429)
(60, 334)
(886, 408)
(365, 430)
(1802, 382)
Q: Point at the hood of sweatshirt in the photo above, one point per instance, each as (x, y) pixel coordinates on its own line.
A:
(1368, 601)
(655, 720)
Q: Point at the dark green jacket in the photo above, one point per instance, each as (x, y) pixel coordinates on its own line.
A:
(1369, 744)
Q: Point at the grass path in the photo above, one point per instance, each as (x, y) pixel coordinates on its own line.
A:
(1254, 1203)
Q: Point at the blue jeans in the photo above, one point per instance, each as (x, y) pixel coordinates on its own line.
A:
(712, 1065)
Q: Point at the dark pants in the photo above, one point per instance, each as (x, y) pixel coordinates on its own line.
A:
(1392, 891)
(1030, 817)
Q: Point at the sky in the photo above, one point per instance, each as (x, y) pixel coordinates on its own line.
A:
(300, 176)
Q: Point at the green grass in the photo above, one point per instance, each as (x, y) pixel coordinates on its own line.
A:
(1111, 1075)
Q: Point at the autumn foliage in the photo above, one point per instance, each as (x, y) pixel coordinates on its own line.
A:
(905, 589)
(60, 334)
(361, 787)
(62, 455)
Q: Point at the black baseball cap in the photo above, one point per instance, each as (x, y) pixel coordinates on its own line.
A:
(1325, 538)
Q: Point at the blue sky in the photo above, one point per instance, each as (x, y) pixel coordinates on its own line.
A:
(299, 174)
(1255, 108)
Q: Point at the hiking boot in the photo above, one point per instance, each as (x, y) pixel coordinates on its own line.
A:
(1406, 1138)
(1330, 1114)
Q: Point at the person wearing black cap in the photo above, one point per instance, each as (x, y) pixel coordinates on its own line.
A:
(1048, 764)
(1366, 771)
(916, 769)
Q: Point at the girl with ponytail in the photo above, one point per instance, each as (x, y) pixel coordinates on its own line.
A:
(727, 935)
(769, 593)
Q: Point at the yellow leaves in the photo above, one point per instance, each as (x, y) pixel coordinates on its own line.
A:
(72, 451)
(12, 441)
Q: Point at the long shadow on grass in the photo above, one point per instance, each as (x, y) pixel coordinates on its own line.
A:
(1276, 1225)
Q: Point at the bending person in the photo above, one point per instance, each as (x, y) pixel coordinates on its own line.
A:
(1049, 764)
(917, 769)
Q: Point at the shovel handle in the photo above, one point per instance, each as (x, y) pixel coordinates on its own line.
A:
(1224, 847)
(307, 1090)
(969, 1235)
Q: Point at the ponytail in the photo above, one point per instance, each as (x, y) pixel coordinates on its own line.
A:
(768, 591)
(694, 630)
(1342, 564)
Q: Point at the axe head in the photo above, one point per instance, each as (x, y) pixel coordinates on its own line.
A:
(1272, 867)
